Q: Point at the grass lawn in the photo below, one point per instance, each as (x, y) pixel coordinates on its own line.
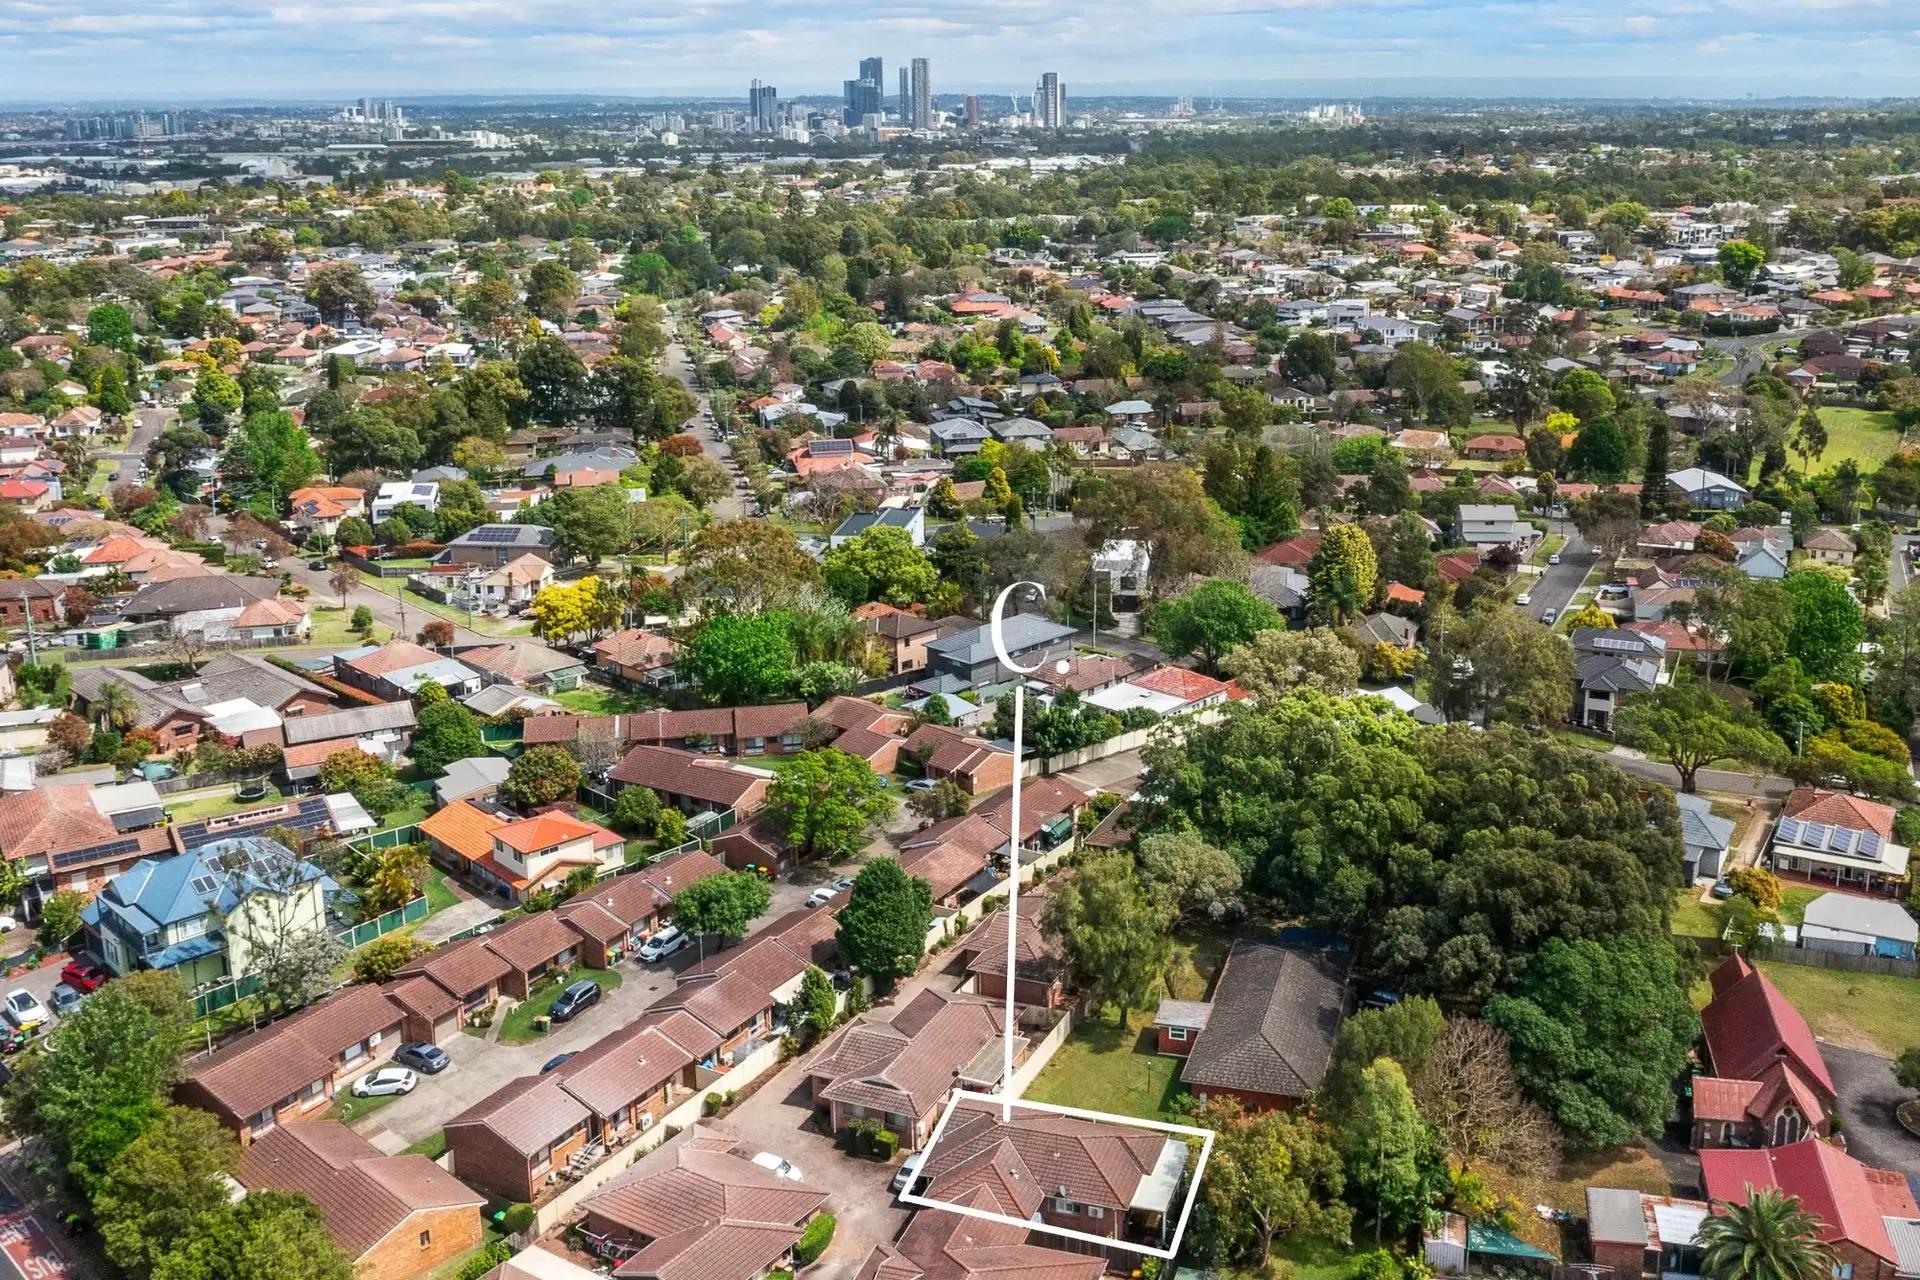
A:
(1103, 1068)
(1697, 919)
(519, 1024)
(405, 817)
(599, 700)
(1584, 740)
(347, 1108)
(214, 806)
(433, 1146)
(1878, 1012)
(330, 629)
(1868, 436)
(1550, 545)
(1307, 1258)
(439, 896)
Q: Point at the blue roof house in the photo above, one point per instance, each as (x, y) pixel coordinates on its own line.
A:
(210, 914)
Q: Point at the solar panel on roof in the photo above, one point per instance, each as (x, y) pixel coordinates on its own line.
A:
(1870, 843)
(204, 885)
(822, 448)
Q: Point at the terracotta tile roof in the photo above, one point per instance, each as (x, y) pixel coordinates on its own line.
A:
(1275, 1015)
(1041, 801)
(677, 773)
(681, 1027)
(278, 1061)
(696, 1185)
(936, 1039)
(1749, 1025)
(464, 828)
(394, 655)
(730, 1250)
(423, 997)
(1296, 552)
(1830, 1184)
(363, 1195)
(948, 1246)
(543, 831)
(1033, 1156)
(461, 968)
(518, 662)
(528, 1113)
(271, 612)
(1179, 682)
(1719, 1099)
(643, 649)
(847, 714)
(623, 1068)
(39, 822)
(954, 750)
(1037, 956)
(1838, 809)
(532, 941)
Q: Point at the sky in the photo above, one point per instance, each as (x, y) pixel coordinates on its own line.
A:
(78, 50)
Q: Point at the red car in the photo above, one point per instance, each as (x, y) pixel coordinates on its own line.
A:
(83, 975)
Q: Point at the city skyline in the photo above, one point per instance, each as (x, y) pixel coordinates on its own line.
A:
(111, 49)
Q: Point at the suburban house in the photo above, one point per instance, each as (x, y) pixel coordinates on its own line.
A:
(901, 635)
(1851, 1200)
(394, 671)
(1062, 1171)
(516, 856)
(1610, 665)
(1269, 1029)
(321, 508)
(59, 841)
(968, 658)
(203, 914)
(533, 947)
(618, 914)
(1707, 490)
(1040, 967)
(949, 1246)
(1847, 924)
(447, 984)
(291, 1070)
(1496, 447)
(1651, 1237)
(698, 1209)
(404, 493)
(515, 1142)
(911, 521)
(1483, 525)
(475, 778)
(1769, 1085)
(959, 858)
(492, 546)
(1705, 836)
(383, 730)
(774, 729)
(690, 783)
(735, 1005)
(514, 583)
(643, 658)
(394, 1215)
(899, 1072)
(1829, 546)
(975, 764)
(1832, 838)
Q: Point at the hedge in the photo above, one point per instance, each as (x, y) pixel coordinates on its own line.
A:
(814, 1240)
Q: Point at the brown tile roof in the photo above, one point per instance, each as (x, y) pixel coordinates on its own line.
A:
(532, 941)
(677, 773)
(1037, 956)
(527, 1113)
(948, 1246)
(46, 820)
(623, 1068)
(278, 1061)
(461, 968)
(1021, 1162)
(518, 662)
(672, 726)
(725, 1003)
(643, 649)
(394, 655)
(848, 714)
(691, 1183)
(729, 1250)
(954, 750)
(1041, 801)
(363, 1195)
(1275, 1015)
(681, 1027)
(423, 997)
(936, 1039)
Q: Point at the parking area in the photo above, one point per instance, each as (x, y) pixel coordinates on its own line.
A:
(1868, 1096)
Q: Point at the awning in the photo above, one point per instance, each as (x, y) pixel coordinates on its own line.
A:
(1484, 1238)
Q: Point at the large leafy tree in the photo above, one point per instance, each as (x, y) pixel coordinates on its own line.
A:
(1271, 1175)
(269, 1233)
(267, 458)
(1770, 1237)
(1275, 662)
(824, 801)
(590, 522)
(881, 563)
(883, 927)
(1598, 1032)
(1165, 511)
(556, 381)
(1827, 625)
(746, 566)
(1496, 665)
(726, 905)
(1342, 575)
(1394, 1158)
(541, 775)
(1218, 615)
(1405, 1032)
(741, 660)
(1690, 727)
(447, 732)
(165, 1188)
(337, 286)
(1117, 934)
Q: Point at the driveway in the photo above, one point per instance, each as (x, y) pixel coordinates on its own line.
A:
(1868, 1096)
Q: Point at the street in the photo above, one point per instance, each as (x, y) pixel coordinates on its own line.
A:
(1555, 587)
(676, 363)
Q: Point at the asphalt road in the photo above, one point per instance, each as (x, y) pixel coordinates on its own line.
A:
(1900, 571)
(135, 451)
(1554, 588)
(1868, 1096)
(676, 363)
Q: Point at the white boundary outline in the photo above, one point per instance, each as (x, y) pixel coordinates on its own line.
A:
(1206, 1137)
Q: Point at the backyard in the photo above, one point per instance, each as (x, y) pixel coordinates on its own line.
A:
(599, 700)
(331, 629)
(1696, 919)
(518, 1028)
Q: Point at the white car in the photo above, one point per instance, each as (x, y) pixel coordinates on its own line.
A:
(904, 1175)
(24, 1010)
(662, 944)
(8, 924)
(386, 1082)
(777, 1165)
(1524, 599)
(820, 897)
(1554, 558)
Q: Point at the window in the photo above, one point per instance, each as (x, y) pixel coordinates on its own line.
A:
(426, 1239)
(1061, 1205)
(1843, 1271)
(756, 745)
(1177, 1034)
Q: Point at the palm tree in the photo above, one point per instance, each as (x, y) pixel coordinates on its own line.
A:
(116, 706)
(1770, 1237)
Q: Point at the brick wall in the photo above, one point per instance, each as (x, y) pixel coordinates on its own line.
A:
(400, 1256)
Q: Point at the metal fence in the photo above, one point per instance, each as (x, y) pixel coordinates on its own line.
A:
(503, 732)
(228, 994)
(391, 838)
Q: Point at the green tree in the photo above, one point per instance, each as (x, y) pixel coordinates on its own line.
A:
(1272, 1174)
(216, 397)
(1692, 728)
(1599, 452)
(165, 1187)
(267, 457)
(337, 286)
(1598, 1033)
(1584, 394)
(1809, 436)
(823, 802)
(1769, 1237)
(1405, 1032)
(1500, 665)
(447, 732)
(740, 660)
(369, 779)
(1190, 876)
(110, 392)
(60, 918)
(1342, 575)
(1274, 663)
(1740, 261)
(880, 563)
(591, 522)
(1827, 625)
(541, 775)
(1218, 615)
(1112, 930)
(110, 325)
(268, 1233)
(1394, 1160)
(551, 289)
(636, 809)
(385, 956)
(883, 928)
(726, 904)
(819, 1004)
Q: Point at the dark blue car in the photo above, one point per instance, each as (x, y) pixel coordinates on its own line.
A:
(570, 1002)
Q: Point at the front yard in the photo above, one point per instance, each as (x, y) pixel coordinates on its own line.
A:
(331, 629)
(518, 1028)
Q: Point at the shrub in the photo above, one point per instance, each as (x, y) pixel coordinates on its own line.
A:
(516, 1219)
(886, 1144)
(1377, 1265)
(814, 1240)
(484, 1261)
(1758, 886)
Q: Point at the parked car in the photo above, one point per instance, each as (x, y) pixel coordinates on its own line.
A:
(387, 1082)
(663, 944)
(843, 884)
(84, 975)
(904, 1175)
(819, 897)
(777, 1165)
(1524, 599)
(24, 1010)
(1722, 889)
(8, 924)
(64, 999)
(318, 562)
(421, 1056)
(1549, 616)
(921, 784)
(558, 1060)
(1554, 558)
(576, 998)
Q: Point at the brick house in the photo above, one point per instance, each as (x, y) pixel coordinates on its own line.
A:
(692, 784)
(1769, 1085)
(638, 657)
(532, 947)
(955, 857)
(1496, 447)
(948, 1246)
(901, 635)
(59, 841)
(973, 763)
(1850, 1199)
(727, 731)
(1636, 1234)
(1270, 1030)
(465, 971)
(617, 915)
(735, 1006)
(513, 1142)
(1040, 969)
(396, 1216)
(291, 1070)
(899, 1072)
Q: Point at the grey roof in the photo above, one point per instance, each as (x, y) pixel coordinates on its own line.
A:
(226, 676)
(1387, 628)
(1700, 827)
(439, 475)
(1021, 429)
(1618, 642)
(350, 724)
(471, 776)
(1872, 916)
(498, 698)
(1698, 479)
(1022, 631)
(193, 595)
(609, 459)
(1621, 675)
(1614, 1216)
(1905, 1235)
(506, 535)
(890, 518)
(1276, 1014)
